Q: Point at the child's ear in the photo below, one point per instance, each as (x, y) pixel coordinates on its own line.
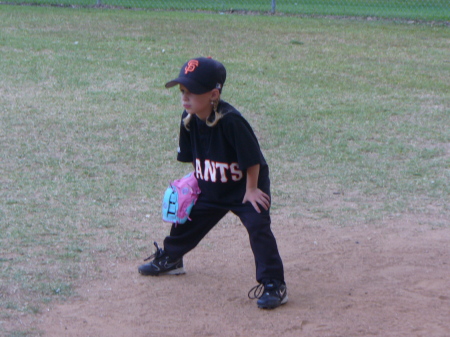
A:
(215, 94)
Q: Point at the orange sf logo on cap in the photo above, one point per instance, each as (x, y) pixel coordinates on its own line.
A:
(192, 64)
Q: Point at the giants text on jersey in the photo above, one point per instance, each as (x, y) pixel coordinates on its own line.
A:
(215, 171)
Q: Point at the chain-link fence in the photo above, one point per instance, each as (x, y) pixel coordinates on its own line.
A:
(406, 9)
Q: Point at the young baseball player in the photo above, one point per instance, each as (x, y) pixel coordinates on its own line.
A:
(232, 175)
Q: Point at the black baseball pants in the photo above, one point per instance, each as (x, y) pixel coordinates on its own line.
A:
(205, 215)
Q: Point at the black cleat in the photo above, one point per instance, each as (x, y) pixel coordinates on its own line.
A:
(270, 294)
(161, 264)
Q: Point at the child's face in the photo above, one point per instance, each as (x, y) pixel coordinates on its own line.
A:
(199, 105)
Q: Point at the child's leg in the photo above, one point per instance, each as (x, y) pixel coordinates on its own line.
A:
(262, 241)
(186, 237)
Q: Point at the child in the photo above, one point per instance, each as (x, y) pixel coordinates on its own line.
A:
(232, 175)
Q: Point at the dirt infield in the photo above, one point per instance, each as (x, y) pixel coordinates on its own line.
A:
(387, 280)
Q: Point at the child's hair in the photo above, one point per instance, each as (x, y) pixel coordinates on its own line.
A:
(211, 123)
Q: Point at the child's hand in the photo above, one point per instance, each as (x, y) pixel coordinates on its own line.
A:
(257, 197)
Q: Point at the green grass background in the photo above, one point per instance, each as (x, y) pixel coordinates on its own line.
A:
(401, 9)
(353, 117)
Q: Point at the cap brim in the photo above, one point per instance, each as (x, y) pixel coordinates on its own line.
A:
(192, 86)
(172, 83)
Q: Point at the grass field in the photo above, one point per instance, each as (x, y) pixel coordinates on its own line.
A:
(400, 9)
(352, 108)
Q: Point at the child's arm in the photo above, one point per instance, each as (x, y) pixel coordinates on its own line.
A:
(253, 194)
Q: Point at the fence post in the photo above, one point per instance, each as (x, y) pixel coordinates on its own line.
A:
(274, 5)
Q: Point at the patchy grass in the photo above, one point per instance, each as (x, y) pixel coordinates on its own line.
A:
(352, 116)
(437, 10)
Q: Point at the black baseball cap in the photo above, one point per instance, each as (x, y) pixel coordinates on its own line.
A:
(201, 75)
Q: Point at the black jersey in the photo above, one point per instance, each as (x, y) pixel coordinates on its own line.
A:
(221, 155)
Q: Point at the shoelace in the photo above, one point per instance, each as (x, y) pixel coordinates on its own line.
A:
(256, 291)
(159, 252)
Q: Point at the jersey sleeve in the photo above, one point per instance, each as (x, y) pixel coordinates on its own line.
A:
(184, 143)
(240, 135)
